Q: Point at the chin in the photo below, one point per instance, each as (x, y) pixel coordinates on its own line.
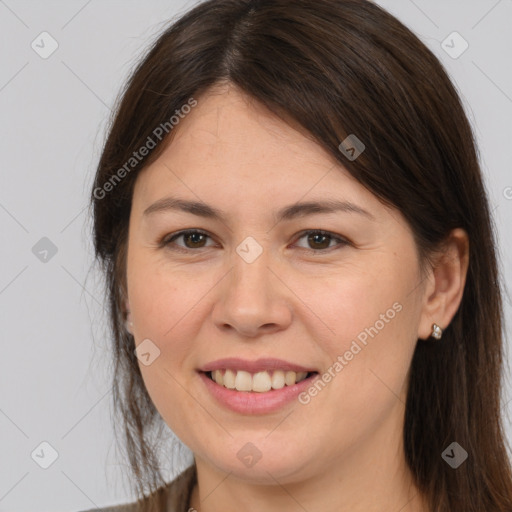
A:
(265, 466)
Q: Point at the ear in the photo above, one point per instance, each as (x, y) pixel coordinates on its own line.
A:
(445, 283)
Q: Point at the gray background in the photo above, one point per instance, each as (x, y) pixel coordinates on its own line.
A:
(54, 376)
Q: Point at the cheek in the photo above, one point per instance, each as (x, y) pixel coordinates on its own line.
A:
(162, 300)
(360, 302)
(163, 312)
(370, 320)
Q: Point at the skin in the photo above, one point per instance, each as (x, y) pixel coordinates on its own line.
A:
(299, 301)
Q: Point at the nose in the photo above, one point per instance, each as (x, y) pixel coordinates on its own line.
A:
(252, 299)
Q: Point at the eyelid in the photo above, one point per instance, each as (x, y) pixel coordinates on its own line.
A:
(169, 238)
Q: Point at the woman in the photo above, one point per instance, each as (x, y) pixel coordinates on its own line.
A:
(301, 267)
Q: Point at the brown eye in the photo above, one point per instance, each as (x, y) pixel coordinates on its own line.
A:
(192, 239)
(319, 240)
(195, 239)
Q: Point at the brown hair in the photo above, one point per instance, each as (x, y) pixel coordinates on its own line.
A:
(335, 67)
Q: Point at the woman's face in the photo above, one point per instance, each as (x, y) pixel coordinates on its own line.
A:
(261, 301)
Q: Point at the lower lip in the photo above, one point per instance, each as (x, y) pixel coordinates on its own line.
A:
(245, 402)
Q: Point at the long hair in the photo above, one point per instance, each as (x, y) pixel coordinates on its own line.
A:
(334, 68)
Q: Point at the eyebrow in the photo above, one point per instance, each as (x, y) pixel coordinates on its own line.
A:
(287, 213)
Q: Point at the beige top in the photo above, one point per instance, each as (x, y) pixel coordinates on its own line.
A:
(178, 495)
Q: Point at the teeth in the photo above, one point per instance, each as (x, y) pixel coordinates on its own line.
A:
(290, 378)
(217, 377)
(301, 376)
(278, 379)
(229, 379)
(260, 382)
(243, 381)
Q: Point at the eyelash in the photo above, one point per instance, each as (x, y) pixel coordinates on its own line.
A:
(168, 240)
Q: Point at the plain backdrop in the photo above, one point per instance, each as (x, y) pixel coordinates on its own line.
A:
(54, 376)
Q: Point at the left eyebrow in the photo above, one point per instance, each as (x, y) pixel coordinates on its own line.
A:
(314, 207)
(287, 213)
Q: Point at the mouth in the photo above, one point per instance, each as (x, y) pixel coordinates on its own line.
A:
(255, 387)
(258, 382)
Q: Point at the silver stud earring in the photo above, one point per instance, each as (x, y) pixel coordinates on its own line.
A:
(437, 332)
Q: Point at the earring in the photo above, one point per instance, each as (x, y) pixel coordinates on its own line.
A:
(437, 332)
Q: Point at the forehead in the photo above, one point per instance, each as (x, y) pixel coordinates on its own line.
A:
(230, 140)
(227, 125)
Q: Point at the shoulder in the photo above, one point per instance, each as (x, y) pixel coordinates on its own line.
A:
(176, 494)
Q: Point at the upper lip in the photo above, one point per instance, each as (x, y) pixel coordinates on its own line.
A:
(259, 365)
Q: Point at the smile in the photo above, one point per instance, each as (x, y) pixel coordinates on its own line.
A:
(264, 386)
